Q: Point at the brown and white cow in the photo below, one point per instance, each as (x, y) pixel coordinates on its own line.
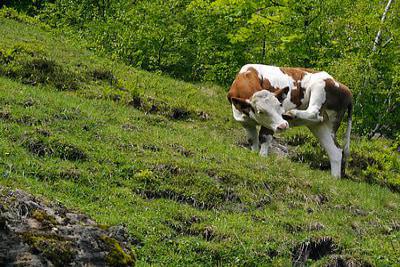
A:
(277, 98)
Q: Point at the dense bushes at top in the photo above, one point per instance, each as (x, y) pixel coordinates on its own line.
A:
(201, 40)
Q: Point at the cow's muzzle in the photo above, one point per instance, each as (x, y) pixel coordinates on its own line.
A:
(283, 126)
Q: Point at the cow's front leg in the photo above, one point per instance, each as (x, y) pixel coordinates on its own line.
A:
(309, 115)
(312, 113)
(252, 136)
(265, 137)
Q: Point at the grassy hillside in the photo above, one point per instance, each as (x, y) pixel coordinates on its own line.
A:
(163, 158)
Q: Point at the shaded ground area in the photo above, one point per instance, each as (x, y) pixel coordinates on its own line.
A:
(36, 233)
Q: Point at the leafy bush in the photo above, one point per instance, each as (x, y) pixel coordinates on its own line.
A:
(374, 161)
(211, 40)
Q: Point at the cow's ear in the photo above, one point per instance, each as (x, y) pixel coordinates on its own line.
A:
(280, 93)
(242, 104)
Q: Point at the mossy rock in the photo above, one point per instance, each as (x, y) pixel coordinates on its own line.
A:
(117, 256)
(43, 217)
(55, 248)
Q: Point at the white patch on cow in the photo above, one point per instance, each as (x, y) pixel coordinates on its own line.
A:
(238, 115)
(337, 84)
(346, 149)
(311, 78)
(314, 97)
(275, 76)
(252, 136)
(265, 146)
(287, 104)
(250, 126)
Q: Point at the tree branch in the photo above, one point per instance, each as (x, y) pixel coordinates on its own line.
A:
(378, 35)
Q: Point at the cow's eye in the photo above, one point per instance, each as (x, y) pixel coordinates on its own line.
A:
(258, 111)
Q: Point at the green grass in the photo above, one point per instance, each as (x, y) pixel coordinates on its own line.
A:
(182, 184)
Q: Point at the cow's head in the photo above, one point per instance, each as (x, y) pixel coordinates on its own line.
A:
(265, 108)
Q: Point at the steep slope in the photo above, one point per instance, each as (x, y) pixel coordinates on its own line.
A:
(162, 157)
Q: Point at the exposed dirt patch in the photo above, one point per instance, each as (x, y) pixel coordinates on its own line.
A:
(172, 195)
(315, 226)
(5, 115)
(153, 106)
(29, 103)
(293, 227)
(298, 139)
(168, 169)
(358, 211)
(182, 150)
(346, 261)
(227, 200)
(313, 249)
(180, 114)
(34, 232)
(43, 146)
(225, 177)
(192, 227)
(151, 147)
(46, 71)
(277, 147)
(103, 75)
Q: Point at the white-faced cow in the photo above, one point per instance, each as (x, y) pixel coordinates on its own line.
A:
(276, 98)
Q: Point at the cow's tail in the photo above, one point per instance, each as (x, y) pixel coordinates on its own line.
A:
(346, 148)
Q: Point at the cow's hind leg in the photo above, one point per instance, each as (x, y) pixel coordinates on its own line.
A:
(326, 136)
(252, 135)
(265, 137)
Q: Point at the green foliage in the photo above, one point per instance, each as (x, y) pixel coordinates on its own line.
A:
(373, 161)
(209, 41)
(183, 187)
(11, 13)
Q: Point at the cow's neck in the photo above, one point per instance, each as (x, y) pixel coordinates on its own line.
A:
(291, 97)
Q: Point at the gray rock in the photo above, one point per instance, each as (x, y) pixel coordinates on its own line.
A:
(34, 232)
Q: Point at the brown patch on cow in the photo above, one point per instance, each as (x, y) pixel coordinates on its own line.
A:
(281, 93)
(241, 105)
(245, 85)
(297, 74)
(266, 85)
(308, 70)
(338, 98)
